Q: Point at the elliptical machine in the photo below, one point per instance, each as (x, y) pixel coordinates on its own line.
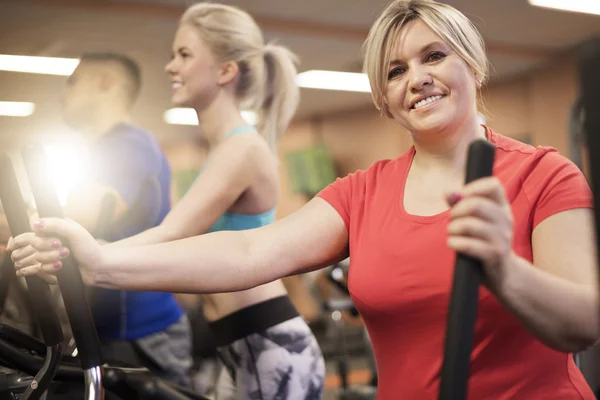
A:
(39, 365)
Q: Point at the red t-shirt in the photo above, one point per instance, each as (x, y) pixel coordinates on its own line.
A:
(401, 273)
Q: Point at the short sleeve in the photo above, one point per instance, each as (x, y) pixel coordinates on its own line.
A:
(339, 195)
(126, 165)
(348, 195)
(555, 185)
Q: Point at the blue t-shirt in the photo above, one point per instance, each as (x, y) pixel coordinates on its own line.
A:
(130, 160)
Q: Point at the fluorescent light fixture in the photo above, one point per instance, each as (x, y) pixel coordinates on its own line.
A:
(16, 109)
(187, 116)
(38, 65)
(333, 80)
(581, 6)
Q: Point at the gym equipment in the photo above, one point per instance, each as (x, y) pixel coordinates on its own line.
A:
(335, 307)
(335, 277)
(590, 98)
(576, 145)
(7, 275)
(43, 310)
(464, 295)
(576, 136)
(589, 65)
(121, 383)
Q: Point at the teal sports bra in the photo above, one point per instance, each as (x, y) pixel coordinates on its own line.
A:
(238, 222)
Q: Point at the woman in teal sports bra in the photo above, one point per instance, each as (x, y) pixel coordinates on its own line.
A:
(220, 63)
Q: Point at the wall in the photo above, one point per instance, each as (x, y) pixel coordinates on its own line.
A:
(537, 105)
(553, 92)
(507, 108)
(299, 136)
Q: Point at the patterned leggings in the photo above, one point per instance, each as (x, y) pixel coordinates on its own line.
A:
(281, 362)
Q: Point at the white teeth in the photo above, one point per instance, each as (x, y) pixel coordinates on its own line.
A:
(426, 101)
(176, 85)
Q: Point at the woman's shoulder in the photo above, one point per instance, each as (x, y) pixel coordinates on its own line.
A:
(380, 175)
(512, 152)
(244, 146)
(536, 170)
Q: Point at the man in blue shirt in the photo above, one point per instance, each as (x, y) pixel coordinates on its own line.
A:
(126, 163)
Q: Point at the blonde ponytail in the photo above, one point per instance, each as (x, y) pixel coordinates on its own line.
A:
(281, 94)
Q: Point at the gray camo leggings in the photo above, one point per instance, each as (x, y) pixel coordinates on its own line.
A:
(283, 362)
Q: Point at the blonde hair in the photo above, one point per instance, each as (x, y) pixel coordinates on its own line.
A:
(449, 23)
(267, 73)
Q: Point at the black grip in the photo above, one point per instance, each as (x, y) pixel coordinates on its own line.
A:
(464, 296)
(18, 221)
(7, 277)
(69, 276)
(22, 340)
(16, 359)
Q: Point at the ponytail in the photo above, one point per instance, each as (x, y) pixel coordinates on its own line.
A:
(281, 93)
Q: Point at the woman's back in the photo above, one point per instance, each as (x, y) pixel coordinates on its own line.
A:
(254, 208)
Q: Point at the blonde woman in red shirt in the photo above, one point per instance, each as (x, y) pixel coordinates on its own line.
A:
(530, 224)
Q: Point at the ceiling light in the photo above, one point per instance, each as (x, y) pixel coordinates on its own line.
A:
(333, 80)
(38, 65)
(187, 116)
(16, 108)
(581, 6)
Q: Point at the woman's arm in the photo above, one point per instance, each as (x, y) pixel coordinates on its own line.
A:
(557, 296)
(312, 237)
(230, 171)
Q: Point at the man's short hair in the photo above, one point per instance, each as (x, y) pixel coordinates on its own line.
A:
(130, 67)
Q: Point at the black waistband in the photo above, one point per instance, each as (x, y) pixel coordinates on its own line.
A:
(253, 319)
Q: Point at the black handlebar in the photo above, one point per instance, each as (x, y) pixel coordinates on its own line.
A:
(7, 277)
(18, 221)
(464, 296)
(125, 382)
(69, 276)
